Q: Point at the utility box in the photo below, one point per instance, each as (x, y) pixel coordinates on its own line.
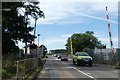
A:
(118, 54)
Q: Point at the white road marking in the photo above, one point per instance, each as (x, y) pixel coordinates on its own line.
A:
(64, 63)
(87, 74)
(53, 59)
(84, 73)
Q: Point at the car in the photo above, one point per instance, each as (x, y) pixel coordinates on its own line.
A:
(59, 56)
(82, 58)
(64, 58)
(55, 55)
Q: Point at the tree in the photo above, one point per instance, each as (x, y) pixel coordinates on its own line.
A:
(44, 50)
(83, 41)
(15, 26)
(62, 51)
(9, 28)
(33, 10)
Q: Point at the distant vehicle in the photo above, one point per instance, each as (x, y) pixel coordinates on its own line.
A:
(64, 58)
(59, 56)
(55, 55)
(82, 58)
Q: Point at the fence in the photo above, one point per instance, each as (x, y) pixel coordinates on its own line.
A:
(105, 56)
(25, 66)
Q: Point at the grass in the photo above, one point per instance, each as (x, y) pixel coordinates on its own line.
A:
(8, 69)
(8, 72)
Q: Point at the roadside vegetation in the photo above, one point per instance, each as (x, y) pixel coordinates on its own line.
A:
(16, 27)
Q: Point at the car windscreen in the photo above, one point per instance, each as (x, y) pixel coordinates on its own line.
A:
(63, 56)
(83, 54)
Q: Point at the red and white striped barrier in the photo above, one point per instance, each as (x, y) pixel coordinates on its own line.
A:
(110, 34)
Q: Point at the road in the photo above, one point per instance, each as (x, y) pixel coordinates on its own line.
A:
(65, 70)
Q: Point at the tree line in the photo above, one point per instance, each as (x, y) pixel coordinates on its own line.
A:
(58, 51)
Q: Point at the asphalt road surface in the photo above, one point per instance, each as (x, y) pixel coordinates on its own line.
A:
(55, 69)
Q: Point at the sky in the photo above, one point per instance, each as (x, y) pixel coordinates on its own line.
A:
(66, 17)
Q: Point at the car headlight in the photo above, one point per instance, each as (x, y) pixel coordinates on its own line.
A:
(79, 58)
(91, 58)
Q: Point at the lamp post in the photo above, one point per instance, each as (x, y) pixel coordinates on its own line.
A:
(38, 39)
(36, 17)
(35, 26)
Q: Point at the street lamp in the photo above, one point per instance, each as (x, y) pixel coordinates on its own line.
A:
(35, 26)
(38, 39)
(36, 17)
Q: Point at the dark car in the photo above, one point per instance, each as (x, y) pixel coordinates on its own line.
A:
(64, 58)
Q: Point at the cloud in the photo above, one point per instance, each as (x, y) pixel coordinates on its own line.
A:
(57, 42)
(57, 39)
(70, 11)
(99, 35)
(58, 1)
(66, 35)
(52, 42)
(94, 17)
(112, 21)
(105, 40)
